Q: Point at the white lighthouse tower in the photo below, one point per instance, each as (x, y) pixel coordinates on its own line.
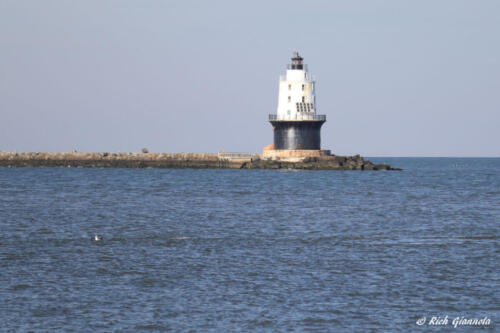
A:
(296, 125)
(296, 99)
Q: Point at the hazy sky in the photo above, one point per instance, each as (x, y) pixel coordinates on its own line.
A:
(395, 78)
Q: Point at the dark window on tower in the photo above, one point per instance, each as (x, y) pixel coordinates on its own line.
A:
(303, 86)
(303, 99)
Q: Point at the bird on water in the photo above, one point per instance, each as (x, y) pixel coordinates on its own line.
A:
(96, 238)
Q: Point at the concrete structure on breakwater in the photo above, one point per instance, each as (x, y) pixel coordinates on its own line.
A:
(296, 126)
(187, 160)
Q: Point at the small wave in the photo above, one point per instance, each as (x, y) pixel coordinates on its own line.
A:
(478, 237)
(242, 192)
(315, 320)
(152, 327)
(262, 323)
(19, 287)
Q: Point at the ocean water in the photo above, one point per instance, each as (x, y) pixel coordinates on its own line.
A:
(250, 250)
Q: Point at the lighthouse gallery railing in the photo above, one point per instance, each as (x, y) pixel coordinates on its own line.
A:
(305, 116)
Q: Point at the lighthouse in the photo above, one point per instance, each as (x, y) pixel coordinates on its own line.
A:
(296, 125)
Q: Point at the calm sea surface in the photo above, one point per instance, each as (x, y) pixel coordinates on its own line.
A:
(250, 250)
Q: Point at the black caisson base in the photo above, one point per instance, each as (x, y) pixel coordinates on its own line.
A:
(301, 135)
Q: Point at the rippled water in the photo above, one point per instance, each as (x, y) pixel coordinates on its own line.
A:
(250, 250)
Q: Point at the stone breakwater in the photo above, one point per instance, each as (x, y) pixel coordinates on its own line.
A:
(184, 160)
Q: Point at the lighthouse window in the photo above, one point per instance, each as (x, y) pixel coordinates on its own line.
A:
(289, 99)
(303, 99)
(289, 87)
(303, 86)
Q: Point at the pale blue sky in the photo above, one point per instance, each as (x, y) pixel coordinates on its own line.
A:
(395, 78)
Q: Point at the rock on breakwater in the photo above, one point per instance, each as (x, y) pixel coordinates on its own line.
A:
(183, 160)
(320, 163)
